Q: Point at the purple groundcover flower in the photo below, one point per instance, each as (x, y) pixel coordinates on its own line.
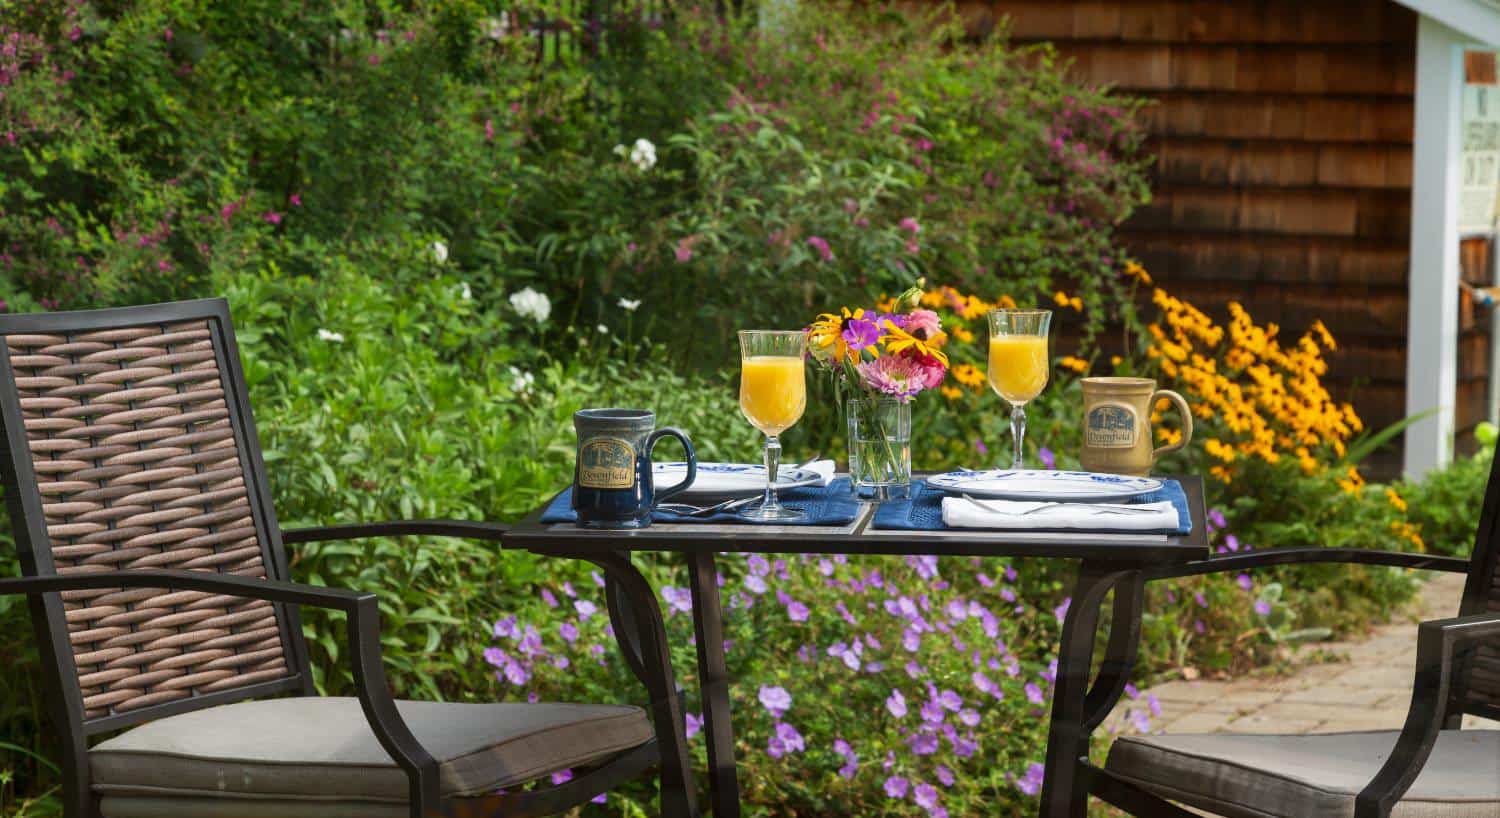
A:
(895, 787)
(896, 703)
(585, 609)
(1061, 611)
(679, 600)
(924, 744)
(1047, 457)
(796, 611)
(568, 631)
(1031, 782)
(861, 333)
(1244, 581)
(1262, 607)
(694, 724)
(1034, 693)
(785, 740)
(1216, 518)
(925, 795)
(775, 699)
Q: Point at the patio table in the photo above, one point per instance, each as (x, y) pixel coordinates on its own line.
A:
(1108, 561)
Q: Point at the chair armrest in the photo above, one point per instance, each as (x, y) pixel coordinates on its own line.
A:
(1439, 644)
(270, 590)
(363, 636)
(437, 528)
(1294, 556)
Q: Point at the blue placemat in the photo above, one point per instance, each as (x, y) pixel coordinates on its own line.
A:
(924, 511)
(833, 504)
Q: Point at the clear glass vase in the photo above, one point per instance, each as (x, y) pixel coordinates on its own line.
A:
(880, 447)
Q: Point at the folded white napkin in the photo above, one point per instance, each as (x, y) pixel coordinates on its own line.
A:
(826, 469)
(960, 512)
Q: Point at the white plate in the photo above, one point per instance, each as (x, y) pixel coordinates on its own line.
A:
(725, 480)
(1044, 485)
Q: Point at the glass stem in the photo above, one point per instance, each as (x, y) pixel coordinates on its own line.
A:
(1018, 432)
(773, 462)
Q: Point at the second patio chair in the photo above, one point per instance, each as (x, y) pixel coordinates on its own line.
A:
(162, 601)
(1430, 768)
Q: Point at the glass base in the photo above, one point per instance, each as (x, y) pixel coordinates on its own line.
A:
(760, 513)
(882, 491)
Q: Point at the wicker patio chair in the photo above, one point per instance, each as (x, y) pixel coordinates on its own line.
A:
(1430, 768)
(159, 592)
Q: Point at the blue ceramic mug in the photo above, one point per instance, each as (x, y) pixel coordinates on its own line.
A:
(612, 479)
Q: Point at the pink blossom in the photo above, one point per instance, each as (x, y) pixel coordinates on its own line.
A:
(910, 225)
(295, 199)
(373, 59)
(897, 376)
(273, 217)
(913, 247)
(924, 324)
(167, 34)
(820, 244)
(75, 33)
(489, 130)
(684, 251)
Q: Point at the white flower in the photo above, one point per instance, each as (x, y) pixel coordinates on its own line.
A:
(621, 150)
(330, 336)
(464, 292)
(603, 330)
(440, 251)
(628, 305)
(643, 154)
(531, 304)
(495, 28)
(521, 382)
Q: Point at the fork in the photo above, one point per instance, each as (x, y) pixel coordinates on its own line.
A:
(728, 505)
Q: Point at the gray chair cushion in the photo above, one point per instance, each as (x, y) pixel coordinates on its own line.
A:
(322, 750)
(1314, 776)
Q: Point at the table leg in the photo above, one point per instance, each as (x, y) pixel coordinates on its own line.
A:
(713, 680)
(1064, 790)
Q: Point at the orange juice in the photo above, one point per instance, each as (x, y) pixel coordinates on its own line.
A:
(1018, 366)
(773, 392)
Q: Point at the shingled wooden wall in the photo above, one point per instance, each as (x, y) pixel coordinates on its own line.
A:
(1283, 134)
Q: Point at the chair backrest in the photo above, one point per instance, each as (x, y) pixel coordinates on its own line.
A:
(1479, 688)
(130, 445)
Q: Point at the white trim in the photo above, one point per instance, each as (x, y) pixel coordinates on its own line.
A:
(1479, 19)
(1432, 304)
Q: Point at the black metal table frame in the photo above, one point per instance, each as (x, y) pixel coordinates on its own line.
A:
(1077, 707)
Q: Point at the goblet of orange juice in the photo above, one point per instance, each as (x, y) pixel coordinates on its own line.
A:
(1018, 364)
(773, 395)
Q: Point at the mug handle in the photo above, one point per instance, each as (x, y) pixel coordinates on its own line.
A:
(692, 459)
(1187, 421)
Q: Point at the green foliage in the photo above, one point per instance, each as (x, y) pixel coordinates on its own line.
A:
(1446, 503)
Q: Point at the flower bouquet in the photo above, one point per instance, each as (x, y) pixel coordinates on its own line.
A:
(878, 361)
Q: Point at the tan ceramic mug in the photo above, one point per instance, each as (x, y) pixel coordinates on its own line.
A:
(1117, 424)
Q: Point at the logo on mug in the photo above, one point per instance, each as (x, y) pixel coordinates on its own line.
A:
(1110, 426)
(606, 463)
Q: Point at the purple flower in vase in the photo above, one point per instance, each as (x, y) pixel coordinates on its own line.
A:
(861, 333)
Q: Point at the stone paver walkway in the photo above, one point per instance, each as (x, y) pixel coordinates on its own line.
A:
(1370, 691)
